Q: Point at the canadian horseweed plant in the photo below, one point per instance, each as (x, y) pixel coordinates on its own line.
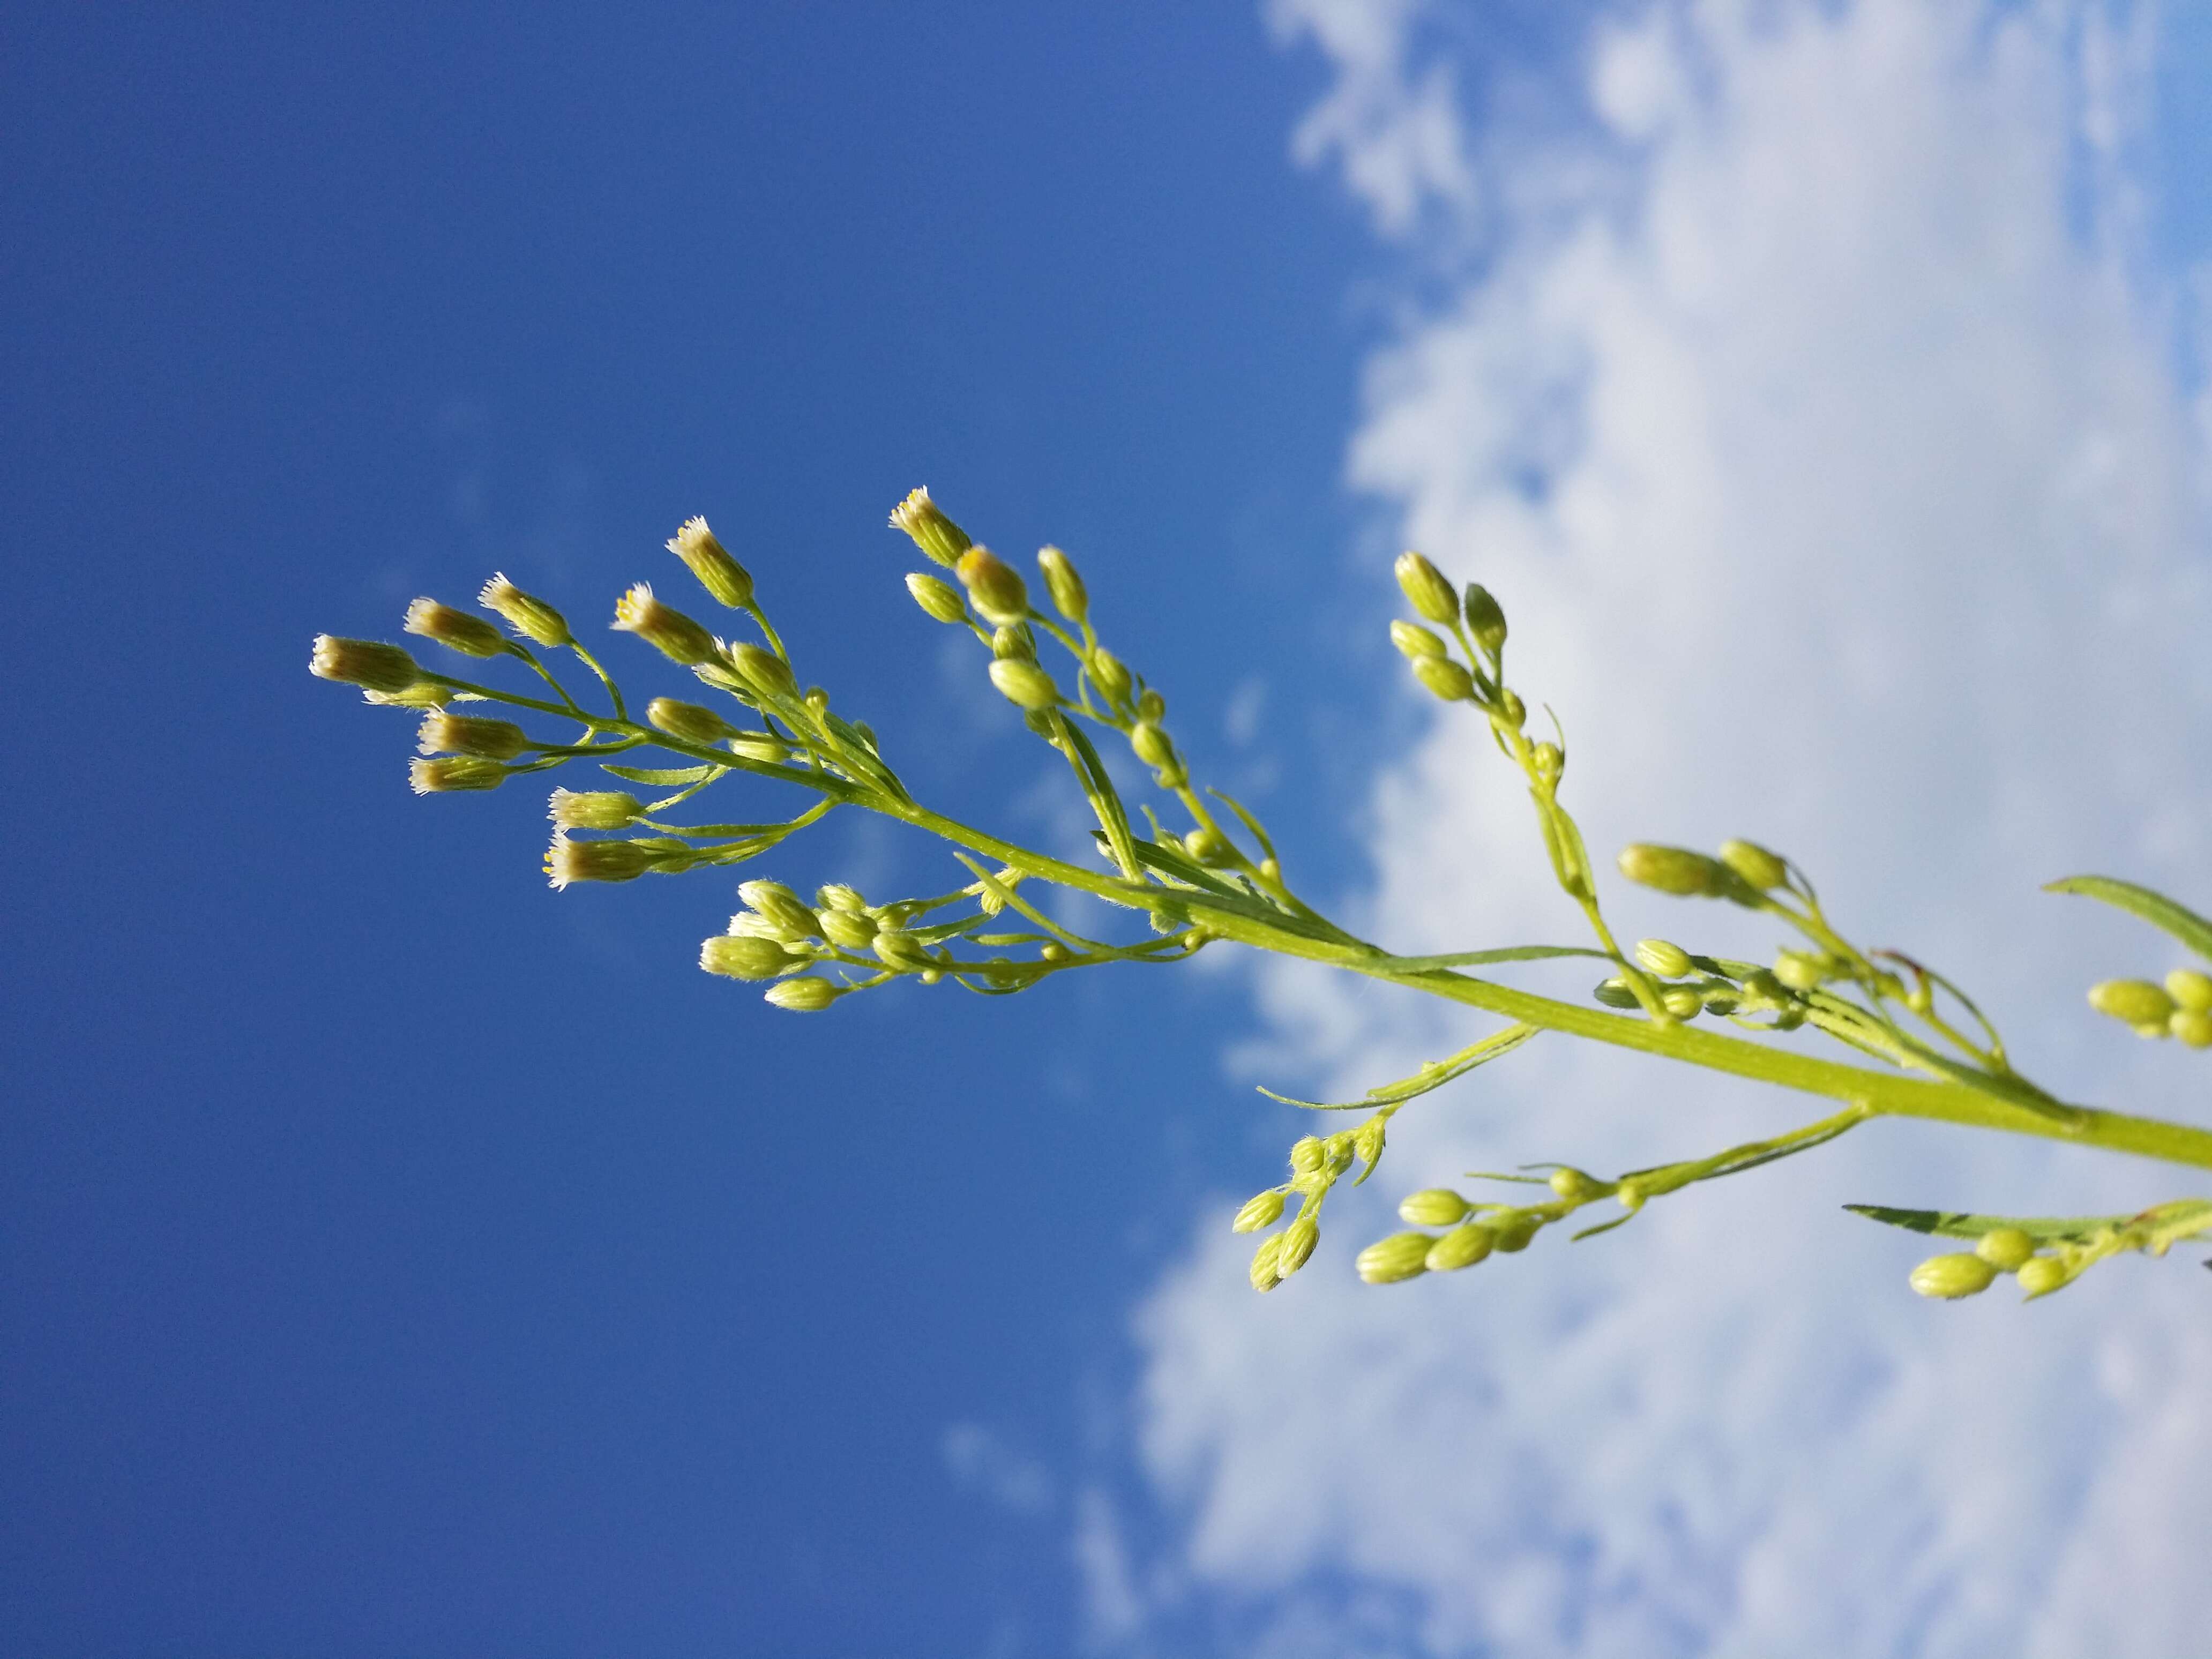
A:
(1919, 1046)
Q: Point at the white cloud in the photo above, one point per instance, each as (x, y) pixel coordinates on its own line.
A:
(981, 1459)
(1812, 407)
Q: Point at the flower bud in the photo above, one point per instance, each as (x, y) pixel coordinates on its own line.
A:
(1109, 674)
(1462, 1247)
(2190, 989)
(902, 950)
(1433, 1206)
(849, 930)
(1024, 684)
(530, 617)
(780, 906)
(2040, 1275)
(1264, 1276)
(1549, 762)
(442, 734)
(1307, 1154)
(759, 746)
(1682, 1002)
(1576, 1186)
(744, 955)
(932, 533)
(1398, 1257)
(666, 630)
(1258, 1212)
(1667, 960)
(593, 809)
(1444, 677)
(1427, 590)
(437, 777)
(1367, 1141)
(938, 598)
(1151, 745)
(1516, 715)
(1065, 586)
(725, 580)
(1515, 1230)
(1615, 993)
(1673, 870)
(804, 995)
(762, 670)
(2193, 1026)
(1485, 620)
(456, 630)
(1013, 640)
(1760, 868)
(1299, 1241)
(688, 722)
(1800, 970)
(995, 588)
(1415, 642)
(369, 664)
(2137, 1001)
(838, 896)
(423, 694)
(1950, 1277)
(1208, 846)
(1152, 706)
(1631, 1196)
(568, 861)
(2004, 1248)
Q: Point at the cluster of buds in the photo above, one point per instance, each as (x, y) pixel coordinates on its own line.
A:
(1450, 1231)
(2182, 1007)
(2000, 1250)
(1743, 873)
(1317, 1163)
(1478, 623)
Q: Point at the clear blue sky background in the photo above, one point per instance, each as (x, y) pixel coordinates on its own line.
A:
(400, 1257)
(396, 1257)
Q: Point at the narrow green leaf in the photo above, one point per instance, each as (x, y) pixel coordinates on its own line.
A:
(2176, 1219)
(1484, 958)
(663, 777)
(2141, 903)
(1432, 1076)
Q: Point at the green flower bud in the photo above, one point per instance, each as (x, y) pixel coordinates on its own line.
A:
(437, 777)
(369, 664)
(1631, 1196)
(1673, 870)
(1024, 684)
(1516, 713)
(666, 630)
(1682, 1001)
(932, 533)
(995, 588)
(1514, 1230)
(2004, 1248)
(1152, 706)
(1398, 1257)
(837, 897)
(803, 995)
(1414, 640)
(441, 733)
(456, 630)
(938, 598)
(423, 694)
(568, 861)
(1367, 1141)
(2137, 1001)
(1108, 674)
(1299, 1241)
(767, 673)
(1427, 590)
(1063, 584)
(1264, 1276)
(902, 950)
(1307, 1154)
(849, 930)
(595, 809)
(1462, 1247)
(744, 955)
(1614, 994)
(1667, 960)
(759, 746)
(1950, 1277)
(723, 577)
(1800, 970)
(1549, 761)
(2190, 989)
(2193, 1026)
(1760, 868)
(1259, 1212)
(789, 912)
(688, 722)
(530, 617)
(1209, 847)
(1444, 677)
(1576, 1186)
(1485, 619)
(1433, 1206)
(1337, 1149)
(2042, 1274)
(1151, 745)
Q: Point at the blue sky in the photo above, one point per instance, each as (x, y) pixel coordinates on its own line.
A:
(397, 1257)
